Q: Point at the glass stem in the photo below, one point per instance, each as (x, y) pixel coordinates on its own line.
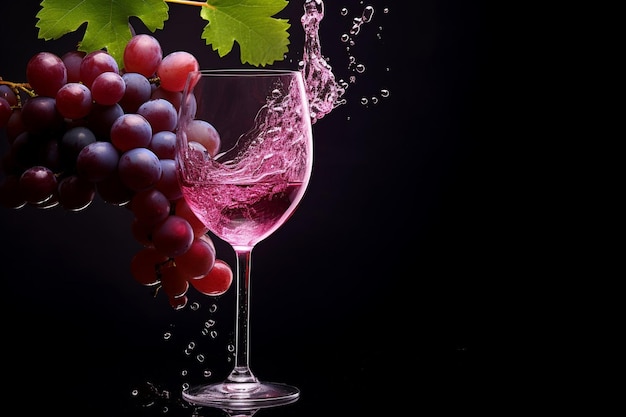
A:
(241, 372)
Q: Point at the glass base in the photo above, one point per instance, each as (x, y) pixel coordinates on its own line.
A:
(240, 396)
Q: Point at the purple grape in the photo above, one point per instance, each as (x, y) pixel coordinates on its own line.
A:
(8, 94)
(168, 183)
(72, 61)
(40, 114)
(160, 113)
(163, 144)
(150, 206)
(173, 236)
(108, 88)
(139, 169)
(138, 91)
(76, 193)
(113, 191)
(5, 112)
(74, 101)
(102, 118)
(131, 131)
(96, 63)
(46, 73)
(73, 141)
(37, 184)
(97, 161)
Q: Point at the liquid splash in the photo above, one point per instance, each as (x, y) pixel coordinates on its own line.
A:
(323, 92)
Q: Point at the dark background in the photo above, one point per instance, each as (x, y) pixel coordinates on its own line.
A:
(392, 286)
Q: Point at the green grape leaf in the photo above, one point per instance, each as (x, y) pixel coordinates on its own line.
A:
(107, 21)
(262, 38)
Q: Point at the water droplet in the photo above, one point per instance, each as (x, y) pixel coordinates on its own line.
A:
(185, 386)
(360, 68)
(207, 373)
(374, 99)
(214, 334)
(364, 100)
(231, 348)
(200, 358)
(184, 372)
(167, 335)
(368, 13)
(213, 308)
(195, 306)
(345, 37)
(384, 93)
(209, 323)
(344, 11)
(134, 393)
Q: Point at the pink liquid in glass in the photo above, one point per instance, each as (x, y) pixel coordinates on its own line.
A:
(244, 214)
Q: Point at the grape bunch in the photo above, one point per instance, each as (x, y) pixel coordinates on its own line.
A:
(82, 127)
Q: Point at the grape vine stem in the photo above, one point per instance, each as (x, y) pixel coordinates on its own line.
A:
(191, 3)
(17, 87)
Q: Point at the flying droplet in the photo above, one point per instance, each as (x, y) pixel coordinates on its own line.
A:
(368, 13)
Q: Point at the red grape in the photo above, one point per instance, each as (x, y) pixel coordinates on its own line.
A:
(173, 236)
(197, 261)
(145, 266)
(46, 73)
(142, 54)
(217, 281)
(174, 69)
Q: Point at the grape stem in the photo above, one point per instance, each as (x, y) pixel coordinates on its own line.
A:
(191, 3)
(17, 87)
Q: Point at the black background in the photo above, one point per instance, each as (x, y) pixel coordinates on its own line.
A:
(392, 286)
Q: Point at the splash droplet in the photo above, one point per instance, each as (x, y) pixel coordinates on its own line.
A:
(322, 90)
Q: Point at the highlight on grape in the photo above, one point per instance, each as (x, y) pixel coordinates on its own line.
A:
(82, 127)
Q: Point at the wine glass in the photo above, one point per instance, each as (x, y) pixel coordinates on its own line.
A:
(244, 156)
